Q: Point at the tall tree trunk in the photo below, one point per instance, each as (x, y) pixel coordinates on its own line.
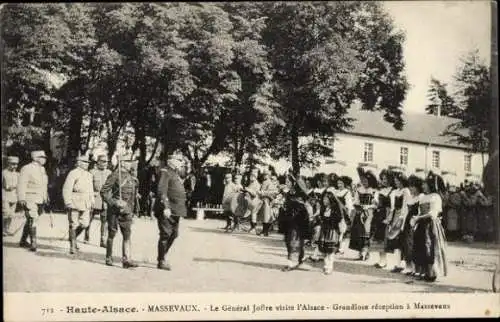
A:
(112, 141)
(74, 129)
(142, 171)
(239, 153)
(294, 136)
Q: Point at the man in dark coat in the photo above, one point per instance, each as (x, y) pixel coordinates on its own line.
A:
(170, 205)
(296, 223)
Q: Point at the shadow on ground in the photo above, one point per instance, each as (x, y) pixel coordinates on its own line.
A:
(62, 252)
(233, 261)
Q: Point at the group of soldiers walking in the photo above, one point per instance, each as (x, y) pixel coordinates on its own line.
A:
(110, 195)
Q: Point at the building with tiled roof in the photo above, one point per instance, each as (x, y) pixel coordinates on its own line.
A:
(419, 147)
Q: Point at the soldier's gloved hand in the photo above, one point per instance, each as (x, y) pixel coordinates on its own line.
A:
(167, 212)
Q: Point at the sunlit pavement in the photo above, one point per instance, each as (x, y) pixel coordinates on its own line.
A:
(206, 259)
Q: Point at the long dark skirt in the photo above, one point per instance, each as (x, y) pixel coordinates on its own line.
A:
(429, 247)
(423, 247)
(329, 238)
(378, 227)
(294, 240)
(360, 230)
(407, 238)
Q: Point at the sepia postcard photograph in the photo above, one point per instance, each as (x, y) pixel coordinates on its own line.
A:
(274, 160)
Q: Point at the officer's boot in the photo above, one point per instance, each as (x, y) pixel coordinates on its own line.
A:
(162, 250)
(103, 233)
(26, 231)
(78, 231)
(87, 234)
(252, 227)
(265, 229)
(6, 227)
(109, 251)
(33, 238)
(126, 252)
(72, 241)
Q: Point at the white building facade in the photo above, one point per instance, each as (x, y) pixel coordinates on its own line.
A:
(353, 150)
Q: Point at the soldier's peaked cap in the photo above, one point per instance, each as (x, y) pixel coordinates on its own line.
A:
(12, 159)
(38, 154)
(102, 157)
(83, 158)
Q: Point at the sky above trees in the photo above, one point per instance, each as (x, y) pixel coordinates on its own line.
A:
(438, 34)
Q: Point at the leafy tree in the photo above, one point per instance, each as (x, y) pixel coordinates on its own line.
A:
(441, 103)
(250, 116)
(474, 100)
(325, 55)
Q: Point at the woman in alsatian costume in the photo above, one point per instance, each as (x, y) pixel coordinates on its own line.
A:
(429, 247)
(382, 214)
(415, 187)
(332, 214)
(365, 201)
(344, 195)
(400, 197)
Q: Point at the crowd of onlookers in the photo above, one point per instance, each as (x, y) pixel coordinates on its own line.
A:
(468, 212)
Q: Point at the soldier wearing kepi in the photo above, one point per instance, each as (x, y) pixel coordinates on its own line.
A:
(119, 192)
(32, 195)
(78, 195)
(170, 206)
(268, 191)
(10, 178)
(99, 175)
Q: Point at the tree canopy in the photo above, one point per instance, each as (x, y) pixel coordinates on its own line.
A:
(198, 78)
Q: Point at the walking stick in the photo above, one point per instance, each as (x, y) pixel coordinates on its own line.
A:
(119, 178)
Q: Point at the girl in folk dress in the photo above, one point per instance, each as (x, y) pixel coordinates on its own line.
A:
(415, 187)
(344, 195)
(383, 214)
(365, 201)
(332, 215)
(314, 209)
(400, 197)
(429, 245)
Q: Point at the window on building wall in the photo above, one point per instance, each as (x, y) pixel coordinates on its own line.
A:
(436, 159)
(403, 156)
(468, 163)
(368, 154)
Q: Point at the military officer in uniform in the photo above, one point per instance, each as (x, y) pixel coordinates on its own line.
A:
(252, 190)
(230, 190)
(32, 195)
(170, 206)
(78, 195)
(99, 175)
(268, 191)
(119, 192)
(10, 178)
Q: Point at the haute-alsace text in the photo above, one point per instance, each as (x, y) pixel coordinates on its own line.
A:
(71, 309)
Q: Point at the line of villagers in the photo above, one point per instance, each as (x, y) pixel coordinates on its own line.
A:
(392, 214)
